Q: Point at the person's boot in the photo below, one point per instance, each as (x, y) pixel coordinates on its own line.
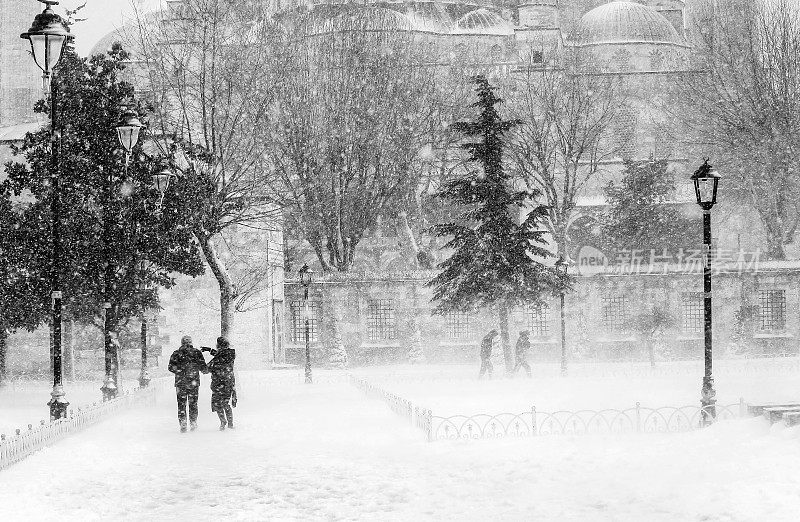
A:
(221, 422)
(229, 414)
(183, 426)
(193, 426)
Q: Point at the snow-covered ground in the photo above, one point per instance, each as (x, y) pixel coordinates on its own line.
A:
(325, 452)
(25, 402)
(451, 390)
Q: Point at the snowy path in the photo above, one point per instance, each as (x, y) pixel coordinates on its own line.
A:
(324, 452)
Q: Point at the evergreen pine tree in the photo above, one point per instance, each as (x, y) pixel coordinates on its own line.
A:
(496, 262)
(415, 353)
(639, 215)
(338, 357)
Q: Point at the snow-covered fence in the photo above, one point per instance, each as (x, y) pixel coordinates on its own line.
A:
(416, 416)
(639, 419)
(23, 443)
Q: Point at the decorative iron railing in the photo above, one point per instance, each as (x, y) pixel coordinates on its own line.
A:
(639, 419)
(23, 443)
(420, 418)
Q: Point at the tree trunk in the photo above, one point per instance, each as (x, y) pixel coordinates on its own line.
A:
(404, 230)
(227, 293)
(651, 352)
(775, 249)
(3, 352)
(505, 338)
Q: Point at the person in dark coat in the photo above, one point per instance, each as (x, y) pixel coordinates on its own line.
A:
(186, 363)
(486, 353)
(223, 382)
(521, 351)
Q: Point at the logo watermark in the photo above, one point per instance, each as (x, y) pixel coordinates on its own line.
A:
(592, 260)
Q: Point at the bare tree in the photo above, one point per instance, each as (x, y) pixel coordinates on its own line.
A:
(568, 118)
(355, 110)
(743, 107)
(207, 66)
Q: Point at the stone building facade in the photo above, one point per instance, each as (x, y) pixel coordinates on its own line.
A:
(20, 79)
(756, 313)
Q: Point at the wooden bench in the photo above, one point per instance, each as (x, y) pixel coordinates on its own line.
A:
(791, 418)
(755, 410)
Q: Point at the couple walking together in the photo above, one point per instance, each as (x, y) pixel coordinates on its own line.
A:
(520, 350)
(187, 362)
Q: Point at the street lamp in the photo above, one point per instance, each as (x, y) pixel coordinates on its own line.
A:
(706, 180)
(144, 376)
(47, 36)
(161, 182)
(562, 266)
(128, 131)
(305, 279)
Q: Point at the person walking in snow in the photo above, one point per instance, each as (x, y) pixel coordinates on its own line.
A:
(486, 353)
(223, 382)
(521, 351)
(186, 363)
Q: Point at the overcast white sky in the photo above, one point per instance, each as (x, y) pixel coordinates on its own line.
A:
(103, 16)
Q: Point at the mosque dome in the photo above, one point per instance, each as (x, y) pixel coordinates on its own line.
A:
(368, 19)
(483, 21)
(626, 22)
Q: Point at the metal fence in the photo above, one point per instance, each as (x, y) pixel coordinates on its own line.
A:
(639, 419)
(420, 418)
(23, 443)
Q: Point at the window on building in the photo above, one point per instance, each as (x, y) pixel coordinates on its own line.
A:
(656, 59)
(622, 59)
(537, 57)
(298, 331)
(458, 326)
(772, 310)
(381, 320)
(496, 53)
(692, 313)
(538, 319)
(615, 314)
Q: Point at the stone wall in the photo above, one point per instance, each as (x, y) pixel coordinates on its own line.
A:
(20, 79)
(599, 312)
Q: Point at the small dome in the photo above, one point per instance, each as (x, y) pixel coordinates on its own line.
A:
(626, 22)
(483, 21)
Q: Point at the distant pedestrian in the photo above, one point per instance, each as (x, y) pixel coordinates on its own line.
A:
(186, 363)
(486, 353)
(521, 351)
(223, 382)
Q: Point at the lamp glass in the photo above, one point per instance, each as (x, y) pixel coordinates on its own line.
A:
(55, 46)
(128, 136)
(39, 50)
(305, 275)
(706, 189)
(161, 181)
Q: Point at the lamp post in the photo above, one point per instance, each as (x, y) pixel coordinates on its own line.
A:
(161, 182)
(144, 375)
(128, 129)
(562, 266)
(706, 180)
(48, 36)
(305, 279)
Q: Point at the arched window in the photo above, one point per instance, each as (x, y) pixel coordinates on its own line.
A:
(496, 53)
